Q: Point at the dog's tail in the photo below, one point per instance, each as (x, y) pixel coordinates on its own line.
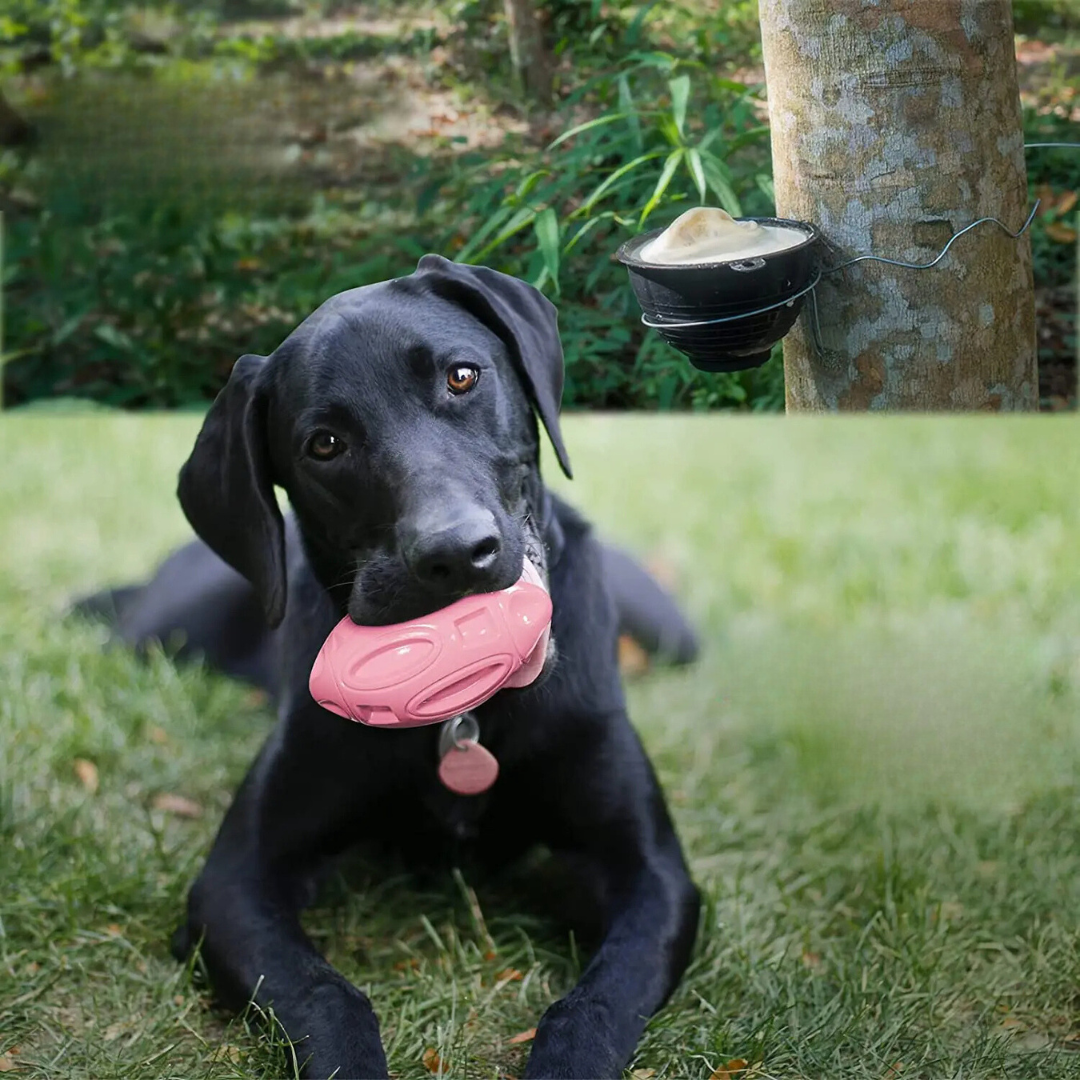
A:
(647, 612)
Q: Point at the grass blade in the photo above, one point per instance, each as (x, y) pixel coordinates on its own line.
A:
(485, 230)
(680, 96)
(670, 166)
(587, 228)
(718, 177)
(596, 122)
(546, 227)
(629, 108)
(693, 163)
(620, 172)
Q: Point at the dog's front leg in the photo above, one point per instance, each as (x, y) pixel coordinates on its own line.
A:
(612, 810)
(299, 805)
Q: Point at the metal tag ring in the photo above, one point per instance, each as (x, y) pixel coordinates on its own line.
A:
(457, 733)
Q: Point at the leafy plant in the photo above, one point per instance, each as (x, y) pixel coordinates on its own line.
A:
(99, 311)
(663, 134)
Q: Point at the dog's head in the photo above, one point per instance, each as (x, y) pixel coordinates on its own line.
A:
(399, 419)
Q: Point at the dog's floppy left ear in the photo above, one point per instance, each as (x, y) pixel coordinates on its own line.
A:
(523, 318)
(226, 489)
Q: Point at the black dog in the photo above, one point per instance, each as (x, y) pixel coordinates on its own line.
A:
(399, 420)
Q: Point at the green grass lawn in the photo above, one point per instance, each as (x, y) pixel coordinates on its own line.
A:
(875, 768)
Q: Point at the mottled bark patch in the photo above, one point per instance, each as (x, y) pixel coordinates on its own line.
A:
(894, 124)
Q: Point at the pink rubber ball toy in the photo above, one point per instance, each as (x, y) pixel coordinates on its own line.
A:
(430, 669)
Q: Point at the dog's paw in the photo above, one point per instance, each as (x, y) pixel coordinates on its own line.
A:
(575, 1040)
(338, 1030)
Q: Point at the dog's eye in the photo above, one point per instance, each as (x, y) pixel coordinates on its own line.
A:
(461, 378)
(323, 446)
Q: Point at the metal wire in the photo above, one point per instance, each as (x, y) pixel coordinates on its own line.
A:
(956, 236)
(945, 250)
(815, 322)
(815, 325)
(787, 301)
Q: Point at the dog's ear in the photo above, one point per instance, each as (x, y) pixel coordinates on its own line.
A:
(524, 320)
(227, 492)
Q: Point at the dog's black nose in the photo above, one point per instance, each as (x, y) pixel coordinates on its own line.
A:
(462, 556)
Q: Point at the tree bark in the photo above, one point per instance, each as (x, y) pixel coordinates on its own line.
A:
(895, 123)
(527, 51)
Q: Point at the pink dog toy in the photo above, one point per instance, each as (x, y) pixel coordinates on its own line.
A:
(439, 666)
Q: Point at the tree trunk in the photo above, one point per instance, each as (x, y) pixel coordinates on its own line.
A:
(895, 123)
(527, 52)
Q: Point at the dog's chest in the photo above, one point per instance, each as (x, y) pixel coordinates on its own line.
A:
(458, 816)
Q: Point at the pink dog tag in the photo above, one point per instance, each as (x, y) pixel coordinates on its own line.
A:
(469, 769)
(465, 767)
(439, 666)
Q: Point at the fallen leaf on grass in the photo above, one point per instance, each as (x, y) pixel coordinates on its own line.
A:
(114, 1031)
(178, 805)
(114, 929)
(523, 1037)
(811, 959)
(893, 1071)
(1066, 201)
(731, 1069)
(432, 1061)
(509, 975)
(633, 659)
(7, 1063)
(950, 910)
(643, 1074)
(228, 1053)
(158, 735)
(87, 773)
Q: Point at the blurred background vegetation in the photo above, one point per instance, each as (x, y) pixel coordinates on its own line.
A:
(183, 182)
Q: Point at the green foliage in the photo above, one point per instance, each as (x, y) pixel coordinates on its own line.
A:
(1043, 16)
(161, 323)
(1059, 170)
(147, 296)
(663, 134)
(147, 301)
(74, 32)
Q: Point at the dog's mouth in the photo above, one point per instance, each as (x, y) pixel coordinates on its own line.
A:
(383, 592)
